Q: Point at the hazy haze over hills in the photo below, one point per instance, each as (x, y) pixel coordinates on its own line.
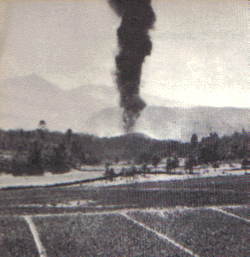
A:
(93, 109)
(174, 122)
(27, 100)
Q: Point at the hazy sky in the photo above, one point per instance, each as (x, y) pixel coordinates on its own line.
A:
(200, 48)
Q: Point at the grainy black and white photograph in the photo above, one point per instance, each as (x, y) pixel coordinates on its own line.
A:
(124, 128)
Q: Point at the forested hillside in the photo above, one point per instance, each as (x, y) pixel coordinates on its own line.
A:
(33, 152)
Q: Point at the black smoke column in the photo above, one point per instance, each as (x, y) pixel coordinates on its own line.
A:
(134, 42)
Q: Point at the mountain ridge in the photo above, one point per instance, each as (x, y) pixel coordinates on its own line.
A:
(94, 109)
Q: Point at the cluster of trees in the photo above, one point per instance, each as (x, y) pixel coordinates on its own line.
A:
(213, 148)
(34, 152)
(40, 157)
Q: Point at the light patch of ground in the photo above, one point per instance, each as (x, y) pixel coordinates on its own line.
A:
(39, 245)
(7, 180)
(210, 172)
(71, 204)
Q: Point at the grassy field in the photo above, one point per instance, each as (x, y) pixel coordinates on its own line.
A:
(170, 232)
(191, 192)
(100, 235)
(16, 238)
(205, 231)
(243, 212)
(103, 221)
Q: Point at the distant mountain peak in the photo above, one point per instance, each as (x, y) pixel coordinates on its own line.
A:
(31, 80)
(95, 109)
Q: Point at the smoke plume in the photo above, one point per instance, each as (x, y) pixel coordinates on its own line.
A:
(134, 43)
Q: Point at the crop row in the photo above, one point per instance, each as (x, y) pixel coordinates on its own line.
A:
(16, 238)
(243, 212)
(100, 235)
(205, 232)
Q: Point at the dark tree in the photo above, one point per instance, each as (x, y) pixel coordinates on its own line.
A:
(117, 159)
(59, 162)
(172, 164)
(92, 160)
(34, 160)
(42, 124)
(169, 165)
(143, 158)
(194, 141)
(18, 166)
(68, 137)
(189, 164)
(216, 165)
(78, 152)
(40, 134)
(245, 164)
(206, 155)
(155, 160)
(176, 161)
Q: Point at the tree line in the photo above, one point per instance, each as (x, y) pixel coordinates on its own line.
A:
(37, 151)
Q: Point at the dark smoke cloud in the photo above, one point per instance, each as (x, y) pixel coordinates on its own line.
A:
(134, 42)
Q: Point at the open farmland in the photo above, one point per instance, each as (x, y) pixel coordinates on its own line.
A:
(193, 217)
(227, 190)
(100, 235)
(243, 211)
(205, 231)
(16, 238)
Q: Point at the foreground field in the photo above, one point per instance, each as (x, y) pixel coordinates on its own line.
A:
(193, 217)
(16, 238)
(204, 231)
(171, 232)
(243, 212)
(100, 235)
